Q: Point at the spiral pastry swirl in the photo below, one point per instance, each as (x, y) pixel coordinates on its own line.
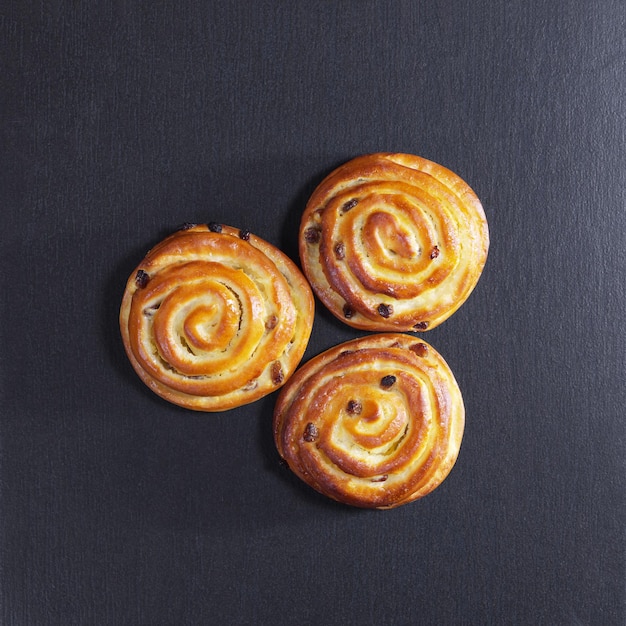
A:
(376, 422)
(215, 317)
(393, 242)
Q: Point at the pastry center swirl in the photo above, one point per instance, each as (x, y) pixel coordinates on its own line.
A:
(380, 437)
(196, 329)
(389, 235)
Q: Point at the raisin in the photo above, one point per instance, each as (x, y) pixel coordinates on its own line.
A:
(312, 235)
(434, 253)
(277, 373)
(271, 322)
(348, 311)
(350, 204)
(340, 251)
(385, 310)
(421, 326)
(244, 234)
(386, 382)
(421, 349)
(141, 279)
(354, 407)
(214, 227)
(187, 226)
(310, 432)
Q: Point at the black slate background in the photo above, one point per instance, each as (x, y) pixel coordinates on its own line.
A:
(121, 120)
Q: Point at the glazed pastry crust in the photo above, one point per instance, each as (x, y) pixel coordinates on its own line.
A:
(215, 317)
(376, 422)
(393, 242)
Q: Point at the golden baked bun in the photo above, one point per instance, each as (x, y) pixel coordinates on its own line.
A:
(393, 242)
(376, 422)
(214, 317)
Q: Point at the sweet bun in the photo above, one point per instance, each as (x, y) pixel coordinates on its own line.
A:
(393, 242)
(376, 422)
(215, 317)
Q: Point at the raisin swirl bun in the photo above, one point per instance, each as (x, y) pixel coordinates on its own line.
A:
(376, 422)
(393, 242)
(215, 317)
